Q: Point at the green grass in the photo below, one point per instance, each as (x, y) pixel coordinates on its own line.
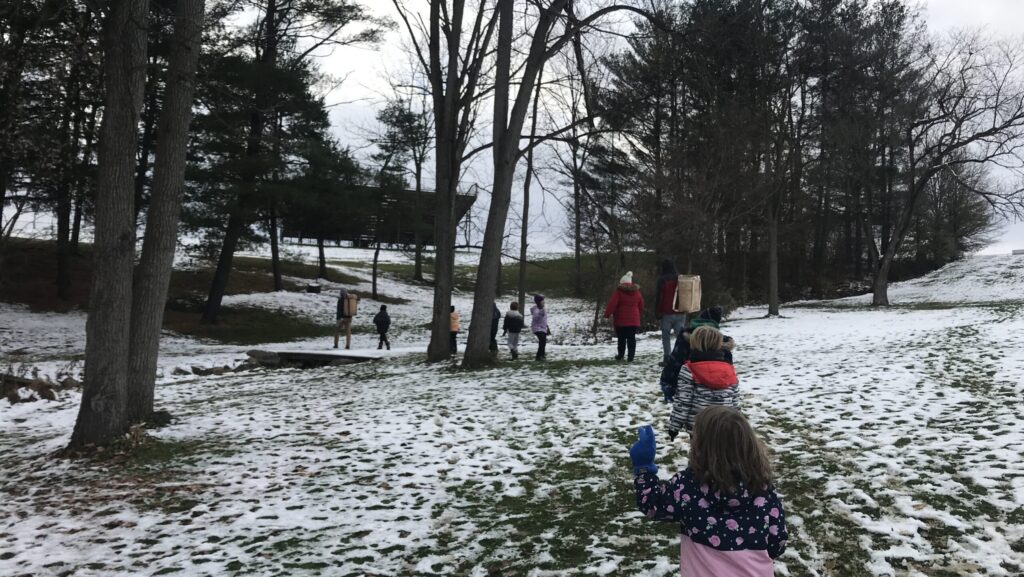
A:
(552, 277)
(250, 326)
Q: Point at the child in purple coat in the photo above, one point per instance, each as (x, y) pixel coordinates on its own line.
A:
(730, 516)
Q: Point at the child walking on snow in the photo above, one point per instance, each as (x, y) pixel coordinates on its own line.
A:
(539, 325)
(706, 378)
(512, 326)
(730, 515)
(453, 326)
(383, 322)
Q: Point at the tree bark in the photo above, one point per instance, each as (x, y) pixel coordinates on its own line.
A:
(275, 252)
(101, 417)
(211, 311)
(321, 270)
(417, 230)
(153, 275)
(523, 244)
(773, 259)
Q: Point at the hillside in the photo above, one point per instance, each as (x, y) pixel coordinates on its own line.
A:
(975, 279)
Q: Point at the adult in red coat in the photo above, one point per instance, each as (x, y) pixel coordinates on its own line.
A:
(627, 305)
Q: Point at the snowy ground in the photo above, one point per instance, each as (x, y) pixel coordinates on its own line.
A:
(898, 437)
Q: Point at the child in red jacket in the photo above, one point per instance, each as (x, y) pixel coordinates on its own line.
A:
(626, 304)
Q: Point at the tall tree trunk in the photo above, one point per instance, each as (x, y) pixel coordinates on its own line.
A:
(275, 256)
(238, 219)
(82, 182)
(68, 153)
(523, 240)
(153, 275)
(101, 417)
(417, 229)
(211, 311)
(773, 259)
(275, 253)
(321, 269)
(69, 139)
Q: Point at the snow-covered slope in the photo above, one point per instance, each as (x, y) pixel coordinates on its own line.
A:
(976, 279)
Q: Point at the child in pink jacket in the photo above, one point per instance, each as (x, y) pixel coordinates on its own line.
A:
(730, 516)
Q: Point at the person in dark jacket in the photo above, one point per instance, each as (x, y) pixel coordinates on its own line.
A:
(383, 322)
(671, 322)
(512, 326)
(495, 321)
(730, 515)
(627, 306)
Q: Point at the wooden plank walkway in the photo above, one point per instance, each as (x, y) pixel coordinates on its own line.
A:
(312, 358)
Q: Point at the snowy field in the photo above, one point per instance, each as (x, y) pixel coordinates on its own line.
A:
(898, 436)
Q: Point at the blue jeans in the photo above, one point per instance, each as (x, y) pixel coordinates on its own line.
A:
(671, 325)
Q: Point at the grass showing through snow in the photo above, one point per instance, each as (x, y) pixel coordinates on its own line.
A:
(897, 438)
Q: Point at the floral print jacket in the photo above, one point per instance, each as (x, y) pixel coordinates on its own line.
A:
(742, 521)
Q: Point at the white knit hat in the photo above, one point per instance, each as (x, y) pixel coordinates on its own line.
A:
(627, 278)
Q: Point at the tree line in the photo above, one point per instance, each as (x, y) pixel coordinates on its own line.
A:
(777, 147)
(783, 147)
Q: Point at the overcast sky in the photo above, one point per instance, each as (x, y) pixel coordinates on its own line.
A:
(365, 86)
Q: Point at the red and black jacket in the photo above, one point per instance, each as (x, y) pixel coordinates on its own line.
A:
(713, 370)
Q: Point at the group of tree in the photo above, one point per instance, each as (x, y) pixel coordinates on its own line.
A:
(826, 143)
(820, 141)
(97, 110)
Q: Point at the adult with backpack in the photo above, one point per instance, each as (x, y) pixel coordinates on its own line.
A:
(343, 319)
(670, 321)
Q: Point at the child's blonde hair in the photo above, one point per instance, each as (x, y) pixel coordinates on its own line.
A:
(725, 451)
(706, 339)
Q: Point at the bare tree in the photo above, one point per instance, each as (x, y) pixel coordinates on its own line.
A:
(968, 110)
(555, 26)
(454, 64)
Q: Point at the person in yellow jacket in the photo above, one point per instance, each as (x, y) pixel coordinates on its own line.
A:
(454, 327)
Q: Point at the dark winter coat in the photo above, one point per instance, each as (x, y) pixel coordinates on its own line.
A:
(513, 322)
(495, 321)
(749, 525)
(382, 321)
(710, 317)
(627, 304)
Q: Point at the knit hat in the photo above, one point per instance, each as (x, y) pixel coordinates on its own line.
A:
(715, 313)
(537, 298)
(627, 278)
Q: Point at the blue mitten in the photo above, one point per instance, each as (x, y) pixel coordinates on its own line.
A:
(642, 451)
